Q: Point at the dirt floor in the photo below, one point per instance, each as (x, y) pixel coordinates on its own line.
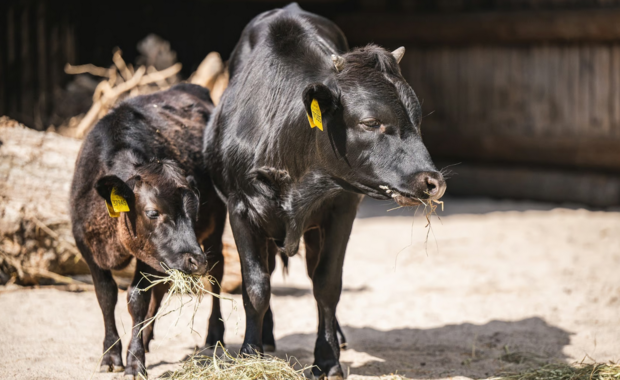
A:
(500, 286)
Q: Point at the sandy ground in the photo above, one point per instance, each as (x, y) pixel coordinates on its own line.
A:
(500, 283)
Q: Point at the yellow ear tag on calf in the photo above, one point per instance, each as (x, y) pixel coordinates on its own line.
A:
(317, 118)
(111, 211)
(119, 204)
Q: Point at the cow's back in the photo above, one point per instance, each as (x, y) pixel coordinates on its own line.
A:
(255, 32)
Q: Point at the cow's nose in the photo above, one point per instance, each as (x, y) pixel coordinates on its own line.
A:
(429, 185)
(195, 264)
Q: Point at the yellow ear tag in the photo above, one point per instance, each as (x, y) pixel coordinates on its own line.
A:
(119, 204)
(111, 211)
(311, 122)
(317, 118)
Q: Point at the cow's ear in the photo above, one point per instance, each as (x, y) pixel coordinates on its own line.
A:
(327, 99)
(105, 185)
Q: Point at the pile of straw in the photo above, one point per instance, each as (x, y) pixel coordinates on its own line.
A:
(580, 371)
(246, 367)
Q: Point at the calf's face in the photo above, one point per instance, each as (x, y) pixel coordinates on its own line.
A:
(159, 228)
(372, 119)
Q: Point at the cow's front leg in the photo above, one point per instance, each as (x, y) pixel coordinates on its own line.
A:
(252, 247)
(107, 295)
(157, 294)
(138, 304)
(325, 250)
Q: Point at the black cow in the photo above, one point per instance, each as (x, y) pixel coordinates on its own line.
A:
(148, 152)
(283, 179)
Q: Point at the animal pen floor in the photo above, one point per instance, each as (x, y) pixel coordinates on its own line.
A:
(501, 286)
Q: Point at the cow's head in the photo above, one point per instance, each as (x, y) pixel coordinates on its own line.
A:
(372, 121)
(159, 228)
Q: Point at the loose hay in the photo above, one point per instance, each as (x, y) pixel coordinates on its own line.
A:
(245, 367)
(579, 371)
(186, 286)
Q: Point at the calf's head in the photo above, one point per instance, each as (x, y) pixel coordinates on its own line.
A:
(163, 207)
(372, 121)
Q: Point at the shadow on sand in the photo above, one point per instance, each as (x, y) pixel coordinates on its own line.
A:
(476, 351)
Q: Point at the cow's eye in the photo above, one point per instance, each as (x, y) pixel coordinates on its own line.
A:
(371, 123)
(152, 214)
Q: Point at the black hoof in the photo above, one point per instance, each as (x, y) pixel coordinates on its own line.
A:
(250, 350)
(335, 373)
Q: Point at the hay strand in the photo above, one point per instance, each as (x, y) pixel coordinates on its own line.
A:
(242, 367)
(187, 287)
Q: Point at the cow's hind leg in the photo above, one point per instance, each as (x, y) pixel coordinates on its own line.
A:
(213, 247)
(341, 338)
(157, 295)
(325, 249)
(107, 295)
(138, 304)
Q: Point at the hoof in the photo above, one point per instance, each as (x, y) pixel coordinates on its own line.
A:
(269, 348)
(111, 368)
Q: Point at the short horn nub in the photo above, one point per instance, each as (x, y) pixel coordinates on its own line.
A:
(398, 53)
(338, 62)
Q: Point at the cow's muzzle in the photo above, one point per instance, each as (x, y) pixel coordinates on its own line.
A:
(194, 263)
(425, 186)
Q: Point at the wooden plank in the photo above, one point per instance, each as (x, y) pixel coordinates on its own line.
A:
(42, 108)
(26, 62)
(521, 27)
(593, 153)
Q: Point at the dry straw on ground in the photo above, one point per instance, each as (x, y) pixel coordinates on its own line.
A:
(562, 371)
(247, 367)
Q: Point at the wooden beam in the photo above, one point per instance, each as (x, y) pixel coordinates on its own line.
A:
(569, 153)
(516, 27)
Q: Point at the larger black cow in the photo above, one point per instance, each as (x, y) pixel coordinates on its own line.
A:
(282, 179)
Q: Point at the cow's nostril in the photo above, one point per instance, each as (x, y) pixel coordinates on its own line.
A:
(432, 185)
(192, 264)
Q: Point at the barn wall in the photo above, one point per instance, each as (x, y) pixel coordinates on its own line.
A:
(36, 41)
(548, 105)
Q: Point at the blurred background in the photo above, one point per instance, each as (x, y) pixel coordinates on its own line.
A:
(524, 95)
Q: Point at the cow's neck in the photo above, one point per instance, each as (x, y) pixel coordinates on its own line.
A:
(301, 200)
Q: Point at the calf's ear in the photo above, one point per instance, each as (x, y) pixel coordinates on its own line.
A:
(105, 185)
(327, 99)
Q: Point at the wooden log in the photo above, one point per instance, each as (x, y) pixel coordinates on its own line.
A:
(515, 27)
